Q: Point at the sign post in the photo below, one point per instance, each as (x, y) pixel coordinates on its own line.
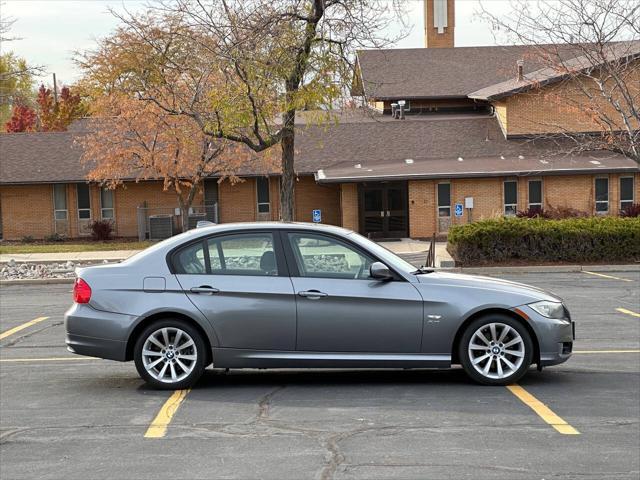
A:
(316, 216)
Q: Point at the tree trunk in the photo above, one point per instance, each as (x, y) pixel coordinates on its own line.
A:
(184, 213)
(287, 185)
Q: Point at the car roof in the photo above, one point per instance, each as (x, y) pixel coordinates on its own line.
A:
(220, 227)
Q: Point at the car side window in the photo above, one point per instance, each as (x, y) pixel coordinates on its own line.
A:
(243, 254)
(190, 260)
(319, 256)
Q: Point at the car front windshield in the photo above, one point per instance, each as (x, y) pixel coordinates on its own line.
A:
(383, 253)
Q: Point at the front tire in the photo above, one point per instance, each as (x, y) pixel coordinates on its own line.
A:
(496, 350)
(170, 354)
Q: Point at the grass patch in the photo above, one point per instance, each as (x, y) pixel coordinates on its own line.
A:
(79, 246)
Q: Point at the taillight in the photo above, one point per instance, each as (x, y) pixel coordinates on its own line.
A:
(81, 291)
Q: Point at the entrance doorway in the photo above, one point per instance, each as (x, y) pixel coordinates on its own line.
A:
(384, 210)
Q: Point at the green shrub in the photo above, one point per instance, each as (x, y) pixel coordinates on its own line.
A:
(27, 239)
(537, 240)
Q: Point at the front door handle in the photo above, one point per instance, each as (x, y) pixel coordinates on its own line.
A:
(205, 290)
(312, 294)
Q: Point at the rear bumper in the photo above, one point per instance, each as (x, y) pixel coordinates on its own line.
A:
(97, 347)
(97, 334)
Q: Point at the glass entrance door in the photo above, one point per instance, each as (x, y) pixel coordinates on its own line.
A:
(383, 208)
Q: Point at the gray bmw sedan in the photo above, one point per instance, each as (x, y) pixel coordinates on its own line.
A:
(293, 295)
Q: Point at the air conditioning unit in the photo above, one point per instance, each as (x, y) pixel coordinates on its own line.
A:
(160, 227)
(194, 218)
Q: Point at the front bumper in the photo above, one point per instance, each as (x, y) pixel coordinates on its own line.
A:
(97, 334)
(555, 337)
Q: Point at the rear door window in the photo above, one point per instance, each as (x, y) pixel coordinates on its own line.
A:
(243, 254)
(235, 254)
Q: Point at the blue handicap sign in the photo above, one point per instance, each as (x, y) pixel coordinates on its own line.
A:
(458, 209)
(317, 216)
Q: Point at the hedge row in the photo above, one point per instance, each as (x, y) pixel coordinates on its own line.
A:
(594, 239)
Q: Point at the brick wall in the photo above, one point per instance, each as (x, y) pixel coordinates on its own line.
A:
(311, 196)
(238, 202)
(559, 107)
(349, 206)
(26, 210)
(422, 208)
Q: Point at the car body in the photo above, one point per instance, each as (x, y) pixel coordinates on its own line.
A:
(293, 295)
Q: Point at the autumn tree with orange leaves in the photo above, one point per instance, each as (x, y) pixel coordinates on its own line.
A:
(129, 139)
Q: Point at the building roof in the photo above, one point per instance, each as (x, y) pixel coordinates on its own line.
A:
(40, 157)
(441, 146)
(376, 142)
(547, 75)
(428, 72)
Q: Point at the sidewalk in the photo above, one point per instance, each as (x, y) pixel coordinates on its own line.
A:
(415, 251)
(111, 256)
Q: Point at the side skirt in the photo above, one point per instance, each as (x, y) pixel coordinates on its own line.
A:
(240, 358)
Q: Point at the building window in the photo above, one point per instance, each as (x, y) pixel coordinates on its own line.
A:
(444, 199)
(626, 192)
(84, 201)
(535, 195)
(60, 211)
(262, 185)
(602, 195)
(106, 203)
(510, 197)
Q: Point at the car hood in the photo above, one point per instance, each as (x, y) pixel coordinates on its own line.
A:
(486, 283)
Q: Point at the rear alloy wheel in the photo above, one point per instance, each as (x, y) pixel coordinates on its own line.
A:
(170, 354)
(496, 350)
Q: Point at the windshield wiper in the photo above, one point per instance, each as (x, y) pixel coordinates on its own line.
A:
(423, 270)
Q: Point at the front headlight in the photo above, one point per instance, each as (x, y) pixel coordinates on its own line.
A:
(549, 309)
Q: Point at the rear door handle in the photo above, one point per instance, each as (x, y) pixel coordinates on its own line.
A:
(312, 294)
(205, 290)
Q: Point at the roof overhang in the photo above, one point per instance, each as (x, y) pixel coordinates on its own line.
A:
(481, 167)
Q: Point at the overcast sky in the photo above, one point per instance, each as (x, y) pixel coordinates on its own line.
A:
(51, 30)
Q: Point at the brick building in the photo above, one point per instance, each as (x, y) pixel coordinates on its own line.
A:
(471, 146)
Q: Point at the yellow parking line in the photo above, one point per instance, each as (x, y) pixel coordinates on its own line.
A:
(47, 359)
(13, 330)
(608, 276)
(158, 427)
(606, 351)
(542, 410)
(628, 312)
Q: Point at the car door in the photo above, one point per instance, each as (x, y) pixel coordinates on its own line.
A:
(239, 281)
(340, 308)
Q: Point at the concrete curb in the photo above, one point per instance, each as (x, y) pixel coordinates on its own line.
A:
(36, 281)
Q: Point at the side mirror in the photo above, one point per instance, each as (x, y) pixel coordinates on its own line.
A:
(380, 271)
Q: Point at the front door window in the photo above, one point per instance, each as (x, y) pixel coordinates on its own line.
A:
(318, 256)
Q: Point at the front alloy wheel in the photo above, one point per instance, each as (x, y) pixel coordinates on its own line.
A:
(170, 355)
(496, 350)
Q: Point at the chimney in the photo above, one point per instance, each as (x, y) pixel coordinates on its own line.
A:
(520, 64)
(439, 23)
(401, 104)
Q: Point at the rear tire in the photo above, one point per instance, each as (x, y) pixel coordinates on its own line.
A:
(495, 349)
(170, 354)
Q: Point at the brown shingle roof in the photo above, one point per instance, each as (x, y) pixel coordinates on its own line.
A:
(40, 157)
(373, 142)
(545, 76)
(443, 72)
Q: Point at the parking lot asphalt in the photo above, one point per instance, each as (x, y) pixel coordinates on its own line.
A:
(64, 416)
